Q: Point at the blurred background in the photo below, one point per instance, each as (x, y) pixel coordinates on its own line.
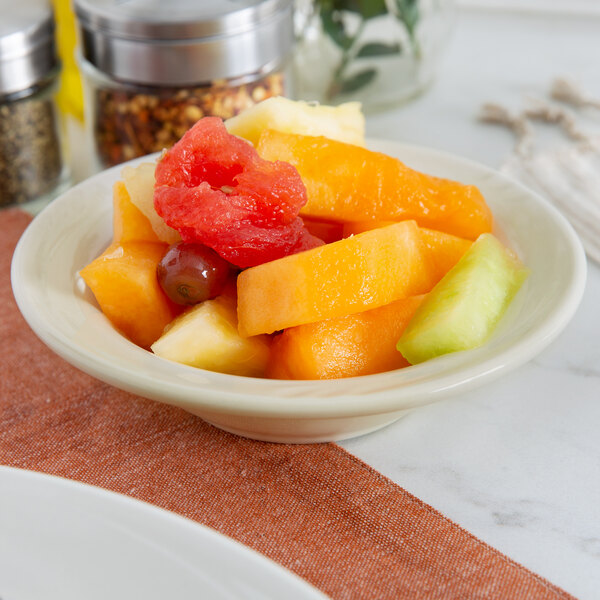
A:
(133, 77)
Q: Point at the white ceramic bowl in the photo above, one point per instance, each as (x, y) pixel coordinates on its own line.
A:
(76, 228)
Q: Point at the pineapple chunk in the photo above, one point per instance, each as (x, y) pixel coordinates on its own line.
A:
(344, 123)
(139, 182)
(206, 336)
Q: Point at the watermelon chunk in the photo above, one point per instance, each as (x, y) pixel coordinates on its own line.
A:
(214, 189)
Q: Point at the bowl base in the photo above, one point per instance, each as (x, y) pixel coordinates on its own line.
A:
(301, 431)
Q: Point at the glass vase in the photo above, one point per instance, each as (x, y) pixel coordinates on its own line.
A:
(377, 52)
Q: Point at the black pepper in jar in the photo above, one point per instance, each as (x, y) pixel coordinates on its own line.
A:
(131, 122)
(31, 165)
(30, 157)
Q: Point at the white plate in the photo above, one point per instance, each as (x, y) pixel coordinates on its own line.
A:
(63, 540)
(76, 228)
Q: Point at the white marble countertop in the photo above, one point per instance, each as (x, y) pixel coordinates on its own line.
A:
(517, 462)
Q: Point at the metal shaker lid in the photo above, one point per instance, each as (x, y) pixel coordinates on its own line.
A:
(27, 49)
(183, 41)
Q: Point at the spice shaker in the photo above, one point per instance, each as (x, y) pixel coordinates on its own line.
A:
(31, 158)
(151, 69)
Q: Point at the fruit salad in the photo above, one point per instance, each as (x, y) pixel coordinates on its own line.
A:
(275, 244)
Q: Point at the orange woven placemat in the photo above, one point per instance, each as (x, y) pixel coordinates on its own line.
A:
(315, 509)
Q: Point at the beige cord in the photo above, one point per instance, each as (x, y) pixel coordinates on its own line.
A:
(519, 124)
(542, 110)
(567, 91)
(568, 176)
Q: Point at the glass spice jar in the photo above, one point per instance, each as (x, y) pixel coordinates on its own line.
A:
(152, 69)
(32, 169)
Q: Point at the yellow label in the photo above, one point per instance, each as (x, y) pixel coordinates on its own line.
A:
(70, 95)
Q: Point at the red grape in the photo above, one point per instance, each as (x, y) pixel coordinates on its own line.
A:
(190, 273)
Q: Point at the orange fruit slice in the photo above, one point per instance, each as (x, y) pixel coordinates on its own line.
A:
(123, 280)
(129, 223)
(345, 182)
(445, 249)
(359, 344)
(346, 277)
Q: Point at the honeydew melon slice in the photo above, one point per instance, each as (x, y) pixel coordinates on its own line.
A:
(464, 308)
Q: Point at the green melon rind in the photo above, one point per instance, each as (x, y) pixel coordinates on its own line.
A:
(463, 309)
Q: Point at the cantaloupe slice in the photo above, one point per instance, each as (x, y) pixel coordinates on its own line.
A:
(123, 280)
(348, 183)
(129, 224)
(206, 336)
(359, 344)
(344, 122)
(464, 308)
(346, 277)
(445, 249)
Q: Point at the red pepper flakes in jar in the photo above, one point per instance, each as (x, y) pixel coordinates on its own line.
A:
(129, 122)
(152, 70)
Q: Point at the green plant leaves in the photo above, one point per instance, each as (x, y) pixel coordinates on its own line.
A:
(357, 81)
(331, 13)
(333, 26)
(367, 9)
(408, 13)
(378, 49)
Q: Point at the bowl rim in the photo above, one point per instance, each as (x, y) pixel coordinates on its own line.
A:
(390, 392)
